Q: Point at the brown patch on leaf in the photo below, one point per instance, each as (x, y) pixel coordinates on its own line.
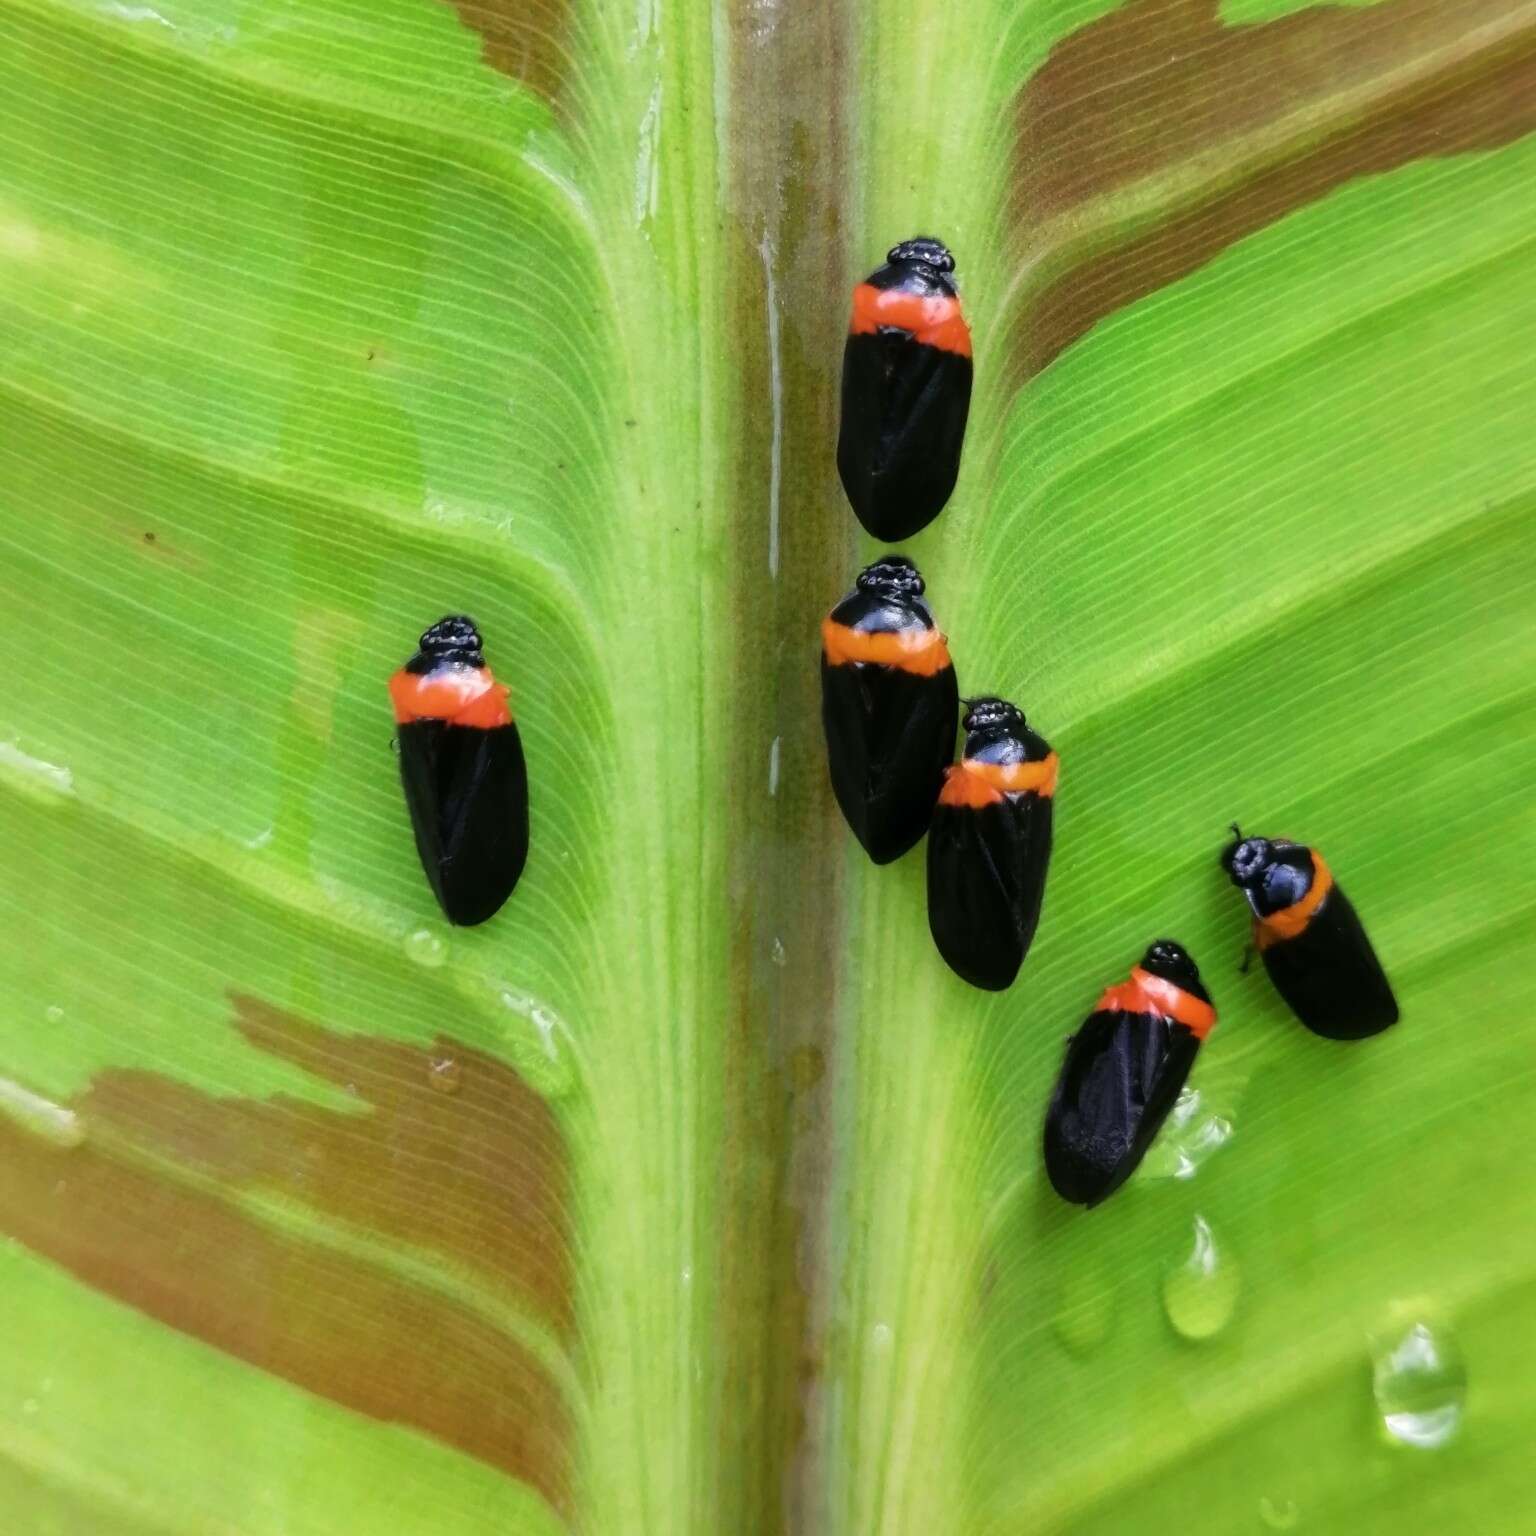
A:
(522, 38)
(1292, 108)
(159, 1208)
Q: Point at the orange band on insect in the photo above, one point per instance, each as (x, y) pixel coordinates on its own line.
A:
(1146, 993)
(1292, 920)
(919, 651)
(975, 784)
(458, 695)
(934, 320)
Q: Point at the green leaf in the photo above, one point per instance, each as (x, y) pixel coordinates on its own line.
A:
(692, 1193)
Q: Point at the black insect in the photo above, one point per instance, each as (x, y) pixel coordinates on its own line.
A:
(990, 846)
(906, 391)
(1310, 938)
(461, 762)
(889, 703)
(1122, 1073)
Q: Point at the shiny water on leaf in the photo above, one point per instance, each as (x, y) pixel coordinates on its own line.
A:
(1191, 1135)
(1419, 1379)
(426, 948)
(1279, 1514)
(54, 1123)
(1085, 1312)
(1200, 1293)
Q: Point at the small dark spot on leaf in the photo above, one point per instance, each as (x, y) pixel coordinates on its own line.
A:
(149, 538)
(807, 1065)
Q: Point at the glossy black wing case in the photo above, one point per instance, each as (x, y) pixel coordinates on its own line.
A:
(986, 883)
(989, 848)
(904, 412)
(1122, 1075)
(467, 792)
(1123, 1072)
(1329, 975)
(890, 735)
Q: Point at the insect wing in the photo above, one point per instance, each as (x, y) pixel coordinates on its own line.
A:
(467, 792)
(1121, 1076)
(1329, 975)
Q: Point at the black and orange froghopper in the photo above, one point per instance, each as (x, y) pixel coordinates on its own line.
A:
(989, 847)
(1122, 1073)
(461, 762)
(906, 391)
(1310, 938)
(889, 705)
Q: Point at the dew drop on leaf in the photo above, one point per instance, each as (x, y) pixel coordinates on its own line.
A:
(1085, 1312)
(1193, 1134)
(1279, 1514)
(54, 1123)
(539, 1041)
(1200, 1293)
(1419, 1379)
(425, 948)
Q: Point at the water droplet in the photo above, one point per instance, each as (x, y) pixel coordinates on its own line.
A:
(1200, 1294)
(1190, 1136)
(881, 1338)
(647, 174)
(1279, 1514)
(54, 1014)
(773, 767)
(1085, 1312)
(443, 1074)
(545, 1021)
(32, 775)
(776, 951)
(426, 948)
(53, 1122)
(687, 1276)
(264, 838)
(541, 1054)
(1420, 1383)
(30, 1405)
